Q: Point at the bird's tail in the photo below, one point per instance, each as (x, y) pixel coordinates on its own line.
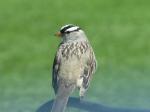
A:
(62, 97)
(59, 104)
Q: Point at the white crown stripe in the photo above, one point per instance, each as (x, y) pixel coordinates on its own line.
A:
(72, 29)
(65, 26)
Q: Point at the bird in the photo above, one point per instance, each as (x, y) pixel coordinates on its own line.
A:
(73, 67)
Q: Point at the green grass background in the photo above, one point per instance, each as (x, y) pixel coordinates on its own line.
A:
(119, 31)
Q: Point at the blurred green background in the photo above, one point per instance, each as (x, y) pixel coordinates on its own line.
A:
(119, 31)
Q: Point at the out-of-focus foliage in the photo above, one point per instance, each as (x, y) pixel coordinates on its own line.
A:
(119, 31)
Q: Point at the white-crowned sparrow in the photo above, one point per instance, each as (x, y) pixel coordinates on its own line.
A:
(73, 66)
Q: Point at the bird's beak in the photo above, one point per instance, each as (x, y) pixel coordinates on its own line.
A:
(58, 34)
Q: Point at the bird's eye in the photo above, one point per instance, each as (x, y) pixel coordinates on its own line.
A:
(67, 32)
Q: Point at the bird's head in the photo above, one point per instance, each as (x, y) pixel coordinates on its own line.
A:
(71, 32)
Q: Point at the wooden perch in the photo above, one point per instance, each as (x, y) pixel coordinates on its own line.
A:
(88, 106)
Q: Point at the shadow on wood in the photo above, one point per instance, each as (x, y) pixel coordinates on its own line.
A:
(88, 106)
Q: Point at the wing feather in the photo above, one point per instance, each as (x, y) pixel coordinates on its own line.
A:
(56, 66)
(89, 69)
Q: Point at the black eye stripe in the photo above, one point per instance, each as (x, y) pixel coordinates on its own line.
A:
(64, 29)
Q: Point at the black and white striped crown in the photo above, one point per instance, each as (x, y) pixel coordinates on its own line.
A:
(69, 28)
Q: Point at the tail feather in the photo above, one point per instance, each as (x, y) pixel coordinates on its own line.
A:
(62, 97)
(59, 104)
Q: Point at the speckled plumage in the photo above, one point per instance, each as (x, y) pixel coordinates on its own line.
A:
(74, 64)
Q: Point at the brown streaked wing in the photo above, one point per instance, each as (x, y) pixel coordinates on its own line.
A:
(56, 65)
(89, 69)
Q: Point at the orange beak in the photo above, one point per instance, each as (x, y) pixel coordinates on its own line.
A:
(58, 34)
